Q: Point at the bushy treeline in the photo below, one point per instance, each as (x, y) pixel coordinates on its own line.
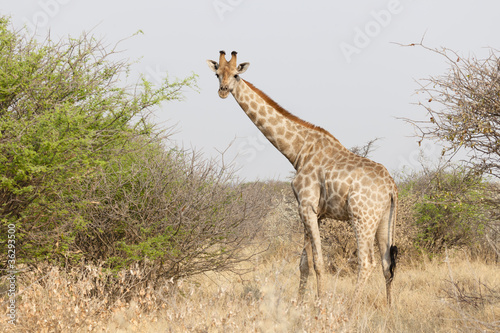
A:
(86, 178)
(462, 114)
(450, 208)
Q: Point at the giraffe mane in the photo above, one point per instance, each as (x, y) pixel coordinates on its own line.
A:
(285, 113)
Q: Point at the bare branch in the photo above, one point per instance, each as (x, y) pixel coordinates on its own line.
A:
(463, 108)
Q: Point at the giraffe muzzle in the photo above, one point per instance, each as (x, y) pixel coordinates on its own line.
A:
(223, 91)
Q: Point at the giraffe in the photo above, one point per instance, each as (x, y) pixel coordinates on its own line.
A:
(330, 180)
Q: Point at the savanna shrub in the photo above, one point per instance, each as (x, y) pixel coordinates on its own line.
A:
(87, 178)
(449, 210)
(169, 210)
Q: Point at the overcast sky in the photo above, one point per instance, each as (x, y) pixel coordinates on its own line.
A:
(333, 63)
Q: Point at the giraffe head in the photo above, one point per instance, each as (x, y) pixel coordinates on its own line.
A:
(227, 72)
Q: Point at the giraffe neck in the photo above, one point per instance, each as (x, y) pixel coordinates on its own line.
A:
(285, 131)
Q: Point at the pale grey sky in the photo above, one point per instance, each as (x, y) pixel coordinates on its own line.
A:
(332, 63)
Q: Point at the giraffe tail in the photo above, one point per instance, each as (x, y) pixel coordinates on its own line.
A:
(393, 250)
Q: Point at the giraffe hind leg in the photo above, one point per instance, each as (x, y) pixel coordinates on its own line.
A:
(366, 258)
(388, 252)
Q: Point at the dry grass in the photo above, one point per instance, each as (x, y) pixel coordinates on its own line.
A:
(451, 294)
(426, 299)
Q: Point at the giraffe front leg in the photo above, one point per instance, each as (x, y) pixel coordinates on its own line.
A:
(306, 264)
(311, 226)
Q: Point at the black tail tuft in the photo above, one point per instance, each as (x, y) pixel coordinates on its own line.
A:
(394, 254)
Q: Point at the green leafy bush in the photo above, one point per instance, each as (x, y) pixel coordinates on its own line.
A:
(87, 178)
(449, 209)
(63, 115)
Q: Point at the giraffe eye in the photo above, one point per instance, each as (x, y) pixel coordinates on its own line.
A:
(236, 77)
(217, 75)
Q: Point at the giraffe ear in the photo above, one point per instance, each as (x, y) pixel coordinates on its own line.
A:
(243, 67)
(213, 65)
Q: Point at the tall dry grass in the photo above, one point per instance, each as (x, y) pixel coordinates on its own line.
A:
(448, 294)
(437, 296)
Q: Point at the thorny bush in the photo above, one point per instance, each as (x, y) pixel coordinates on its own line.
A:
(89, 181)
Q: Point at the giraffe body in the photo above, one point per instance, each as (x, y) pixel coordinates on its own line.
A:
(330, 181)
